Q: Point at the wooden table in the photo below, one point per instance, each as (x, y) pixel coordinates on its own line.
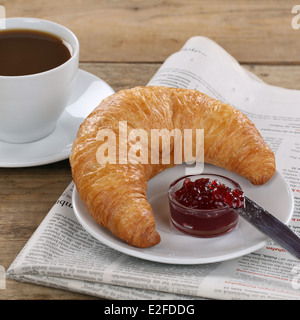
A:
(124, 43)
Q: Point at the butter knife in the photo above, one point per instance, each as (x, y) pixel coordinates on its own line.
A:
(268, 224)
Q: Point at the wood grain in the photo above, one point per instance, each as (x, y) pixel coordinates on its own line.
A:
(149, 31)
(124, 43)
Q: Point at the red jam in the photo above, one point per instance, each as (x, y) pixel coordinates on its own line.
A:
(203, 207)
(206, 194)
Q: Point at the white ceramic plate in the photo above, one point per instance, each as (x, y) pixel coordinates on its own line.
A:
(176, 248)
(88, 92)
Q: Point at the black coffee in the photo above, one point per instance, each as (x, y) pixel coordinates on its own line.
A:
(24, 52)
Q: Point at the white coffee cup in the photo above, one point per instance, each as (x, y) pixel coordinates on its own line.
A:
(30, 105)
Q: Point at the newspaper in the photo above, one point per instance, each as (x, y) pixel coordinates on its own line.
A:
(62, 254)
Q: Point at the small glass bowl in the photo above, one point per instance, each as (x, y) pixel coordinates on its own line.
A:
(204, 223)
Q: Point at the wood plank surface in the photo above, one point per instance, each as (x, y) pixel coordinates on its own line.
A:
(124, 43)
(149, 31)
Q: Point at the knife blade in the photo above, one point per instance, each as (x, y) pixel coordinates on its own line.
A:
(268, 224)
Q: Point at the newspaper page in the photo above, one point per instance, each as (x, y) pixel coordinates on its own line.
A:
(62, 254)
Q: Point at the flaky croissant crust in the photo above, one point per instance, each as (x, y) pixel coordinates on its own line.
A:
(115, 194)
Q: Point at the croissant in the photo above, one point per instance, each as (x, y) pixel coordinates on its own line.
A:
(115, 193)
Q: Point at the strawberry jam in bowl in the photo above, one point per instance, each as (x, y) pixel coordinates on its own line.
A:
(202, 205)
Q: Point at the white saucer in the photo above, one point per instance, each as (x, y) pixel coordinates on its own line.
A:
(177, 248)
(88, 92)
